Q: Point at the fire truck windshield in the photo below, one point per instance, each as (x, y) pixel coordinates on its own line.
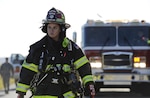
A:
(133, 35)
(112, 36)
(97, 36)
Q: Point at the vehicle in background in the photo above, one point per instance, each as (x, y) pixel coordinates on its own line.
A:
(16, 60)
(119, 54)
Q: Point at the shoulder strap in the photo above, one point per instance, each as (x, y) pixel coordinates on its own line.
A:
(70, 50)
(70, 46)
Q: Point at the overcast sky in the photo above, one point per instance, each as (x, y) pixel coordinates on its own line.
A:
(20, 19)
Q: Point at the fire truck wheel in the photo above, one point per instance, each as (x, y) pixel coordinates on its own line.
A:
(97, 86)
(16, 80)
(148, 77)
(142, 88)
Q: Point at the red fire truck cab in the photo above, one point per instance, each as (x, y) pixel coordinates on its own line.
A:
(119, 53)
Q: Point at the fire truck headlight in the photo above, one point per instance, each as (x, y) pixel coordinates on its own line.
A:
(96, 64)
(139, 62)
(140, 65)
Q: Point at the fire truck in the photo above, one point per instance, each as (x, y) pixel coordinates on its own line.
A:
(119, 54)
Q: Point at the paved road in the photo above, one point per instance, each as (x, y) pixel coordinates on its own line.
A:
(120, 95)
(12, 94)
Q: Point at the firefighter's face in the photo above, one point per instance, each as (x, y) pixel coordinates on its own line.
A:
(53, 31)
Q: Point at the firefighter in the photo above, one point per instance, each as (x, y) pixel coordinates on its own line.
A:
(51, 62)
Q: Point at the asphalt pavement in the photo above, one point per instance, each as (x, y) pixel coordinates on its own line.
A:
(12, 94)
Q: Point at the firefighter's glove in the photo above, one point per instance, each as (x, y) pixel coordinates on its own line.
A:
(20, 96)
(90, 90)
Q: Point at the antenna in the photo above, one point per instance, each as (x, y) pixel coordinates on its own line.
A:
(101, 18)
(99, 15)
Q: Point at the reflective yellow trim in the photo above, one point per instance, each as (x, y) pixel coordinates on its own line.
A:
(48, 67)
(80, 62)
(87, 78)
(22, 87)
(45, 96)
(66, 68)
(65, 42)
(31, 66)
(69, 94)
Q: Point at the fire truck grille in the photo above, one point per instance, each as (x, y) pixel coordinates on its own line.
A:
(116, 60)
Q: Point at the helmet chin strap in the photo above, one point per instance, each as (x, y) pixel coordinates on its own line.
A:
(44, 27)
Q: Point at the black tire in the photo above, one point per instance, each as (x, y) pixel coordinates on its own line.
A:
(97, 86)
(16, 81)
(142, 88)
